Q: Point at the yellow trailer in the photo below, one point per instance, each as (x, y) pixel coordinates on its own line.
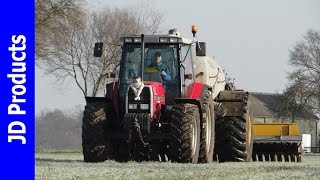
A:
(276, 142)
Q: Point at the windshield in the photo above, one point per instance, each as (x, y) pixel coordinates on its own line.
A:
(163, 69)
(169, 64)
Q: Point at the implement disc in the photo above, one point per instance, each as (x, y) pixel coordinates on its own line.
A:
(277, 151)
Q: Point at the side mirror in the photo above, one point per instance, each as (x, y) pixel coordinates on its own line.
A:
(98, 49)
(188, 76)
(200, 48)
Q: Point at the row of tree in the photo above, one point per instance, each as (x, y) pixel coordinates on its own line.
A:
(59, 130)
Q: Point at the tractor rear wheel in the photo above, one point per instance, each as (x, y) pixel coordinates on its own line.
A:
(234, 137)
(185, 133)
(208, 130)
(94, 144)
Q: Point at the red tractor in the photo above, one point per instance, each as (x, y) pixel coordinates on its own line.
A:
(181, 110)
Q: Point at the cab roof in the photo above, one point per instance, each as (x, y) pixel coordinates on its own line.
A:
(156, 39)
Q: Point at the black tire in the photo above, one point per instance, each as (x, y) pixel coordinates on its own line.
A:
(94, 144)
(185, 133)
(122, 151)
(207, 131)
(149, 152)
(140, 152)
(234, 137)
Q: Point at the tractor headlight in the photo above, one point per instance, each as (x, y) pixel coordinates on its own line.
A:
(163, 40)
(136, 39)
(144, 106)
(127, 39)
(133, 106)
(173, 40)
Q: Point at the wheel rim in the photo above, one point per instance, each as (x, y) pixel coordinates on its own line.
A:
(194, 137)
(250, 130)
(208, 130)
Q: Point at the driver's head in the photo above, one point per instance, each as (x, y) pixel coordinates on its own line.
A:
(157, 57)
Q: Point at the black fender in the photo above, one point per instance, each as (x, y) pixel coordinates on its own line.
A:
(198, 102)
(98, 99)
(188, 100)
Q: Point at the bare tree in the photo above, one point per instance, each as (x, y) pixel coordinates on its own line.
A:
(292, 101)
(149, 19)
(70, 55)
(51, 15)
(108, 26)
(304, 91)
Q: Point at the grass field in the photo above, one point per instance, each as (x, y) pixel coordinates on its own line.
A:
(71, 166)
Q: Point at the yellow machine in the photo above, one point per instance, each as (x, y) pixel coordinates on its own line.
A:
(276, 142)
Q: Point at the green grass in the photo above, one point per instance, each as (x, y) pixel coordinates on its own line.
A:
(71, 166)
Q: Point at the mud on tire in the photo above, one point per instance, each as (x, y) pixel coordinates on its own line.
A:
(94, 144)
(234, 137)
(185, 133)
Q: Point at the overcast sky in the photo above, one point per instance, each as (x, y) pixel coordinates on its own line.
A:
(249, 38)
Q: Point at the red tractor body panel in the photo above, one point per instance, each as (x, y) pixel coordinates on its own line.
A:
(112, 93)
(194, 90)
(158, 97)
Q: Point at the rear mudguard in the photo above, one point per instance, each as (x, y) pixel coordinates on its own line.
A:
(188, 100)
(195, 95)
(232, 103)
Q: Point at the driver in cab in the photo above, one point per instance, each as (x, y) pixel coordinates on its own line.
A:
(160, 66)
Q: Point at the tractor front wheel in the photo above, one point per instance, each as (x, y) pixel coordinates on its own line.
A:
(185, 133)
(94, 144)
(208, 130)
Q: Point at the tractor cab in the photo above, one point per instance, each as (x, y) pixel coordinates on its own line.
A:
(162, 81)
(176, 63)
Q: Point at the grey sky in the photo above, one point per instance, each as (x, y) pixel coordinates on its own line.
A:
(249, 38)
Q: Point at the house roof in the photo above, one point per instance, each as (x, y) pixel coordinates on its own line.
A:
(265, 105)
(260, 108)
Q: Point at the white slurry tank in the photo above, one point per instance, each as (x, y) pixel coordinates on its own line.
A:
(209, 72)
